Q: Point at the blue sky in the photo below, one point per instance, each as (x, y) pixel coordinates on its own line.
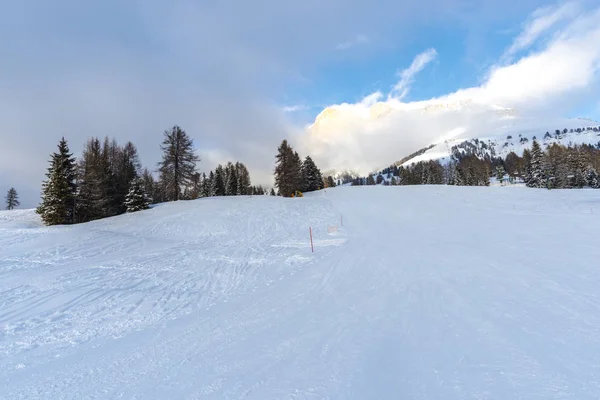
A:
(231, 73)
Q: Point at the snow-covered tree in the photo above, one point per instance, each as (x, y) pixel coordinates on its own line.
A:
(136, 199)
(58, 191)
(592, 178)
(311, 176)
(536, 178)
(12, 199)
(500, 174)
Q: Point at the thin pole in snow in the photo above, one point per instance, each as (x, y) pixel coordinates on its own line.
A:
(311, 241)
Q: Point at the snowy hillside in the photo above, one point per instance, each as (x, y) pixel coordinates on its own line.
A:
(516, 134)
(222, 298)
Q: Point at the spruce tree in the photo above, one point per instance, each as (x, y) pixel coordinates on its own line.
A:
(330, 182)
(592, 178)
(370, 180)
(219, 181)
(58, 191)
(209, 185)
(272, 193)
(95, 195)
(149, 185)
(527, 166)
(536, 179)
(311, 176)
(178, 161)
(287, 170)
(243, 176)
(12, 199)
(204, 187)
(195, 188)
(231, 180)
(500, 174)
(136, 199)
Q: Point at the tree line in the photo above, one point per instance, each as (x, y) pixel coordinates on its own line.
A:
(556, 167)
(108, 179)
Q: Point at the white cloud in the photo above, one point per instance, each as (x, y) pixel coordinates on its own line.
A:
(407, 75)
(374, 132)
(359, 39)
(294, 108)
(541, 21)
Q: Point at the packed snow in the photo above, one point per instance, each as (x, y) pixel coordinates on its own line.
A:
(423, 292)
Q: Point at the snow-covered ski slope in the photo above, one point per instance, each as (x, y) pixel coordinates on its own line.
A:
(426, 292)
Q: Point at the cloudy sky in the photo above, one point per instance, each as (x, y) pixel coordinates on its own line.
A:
(240, 76)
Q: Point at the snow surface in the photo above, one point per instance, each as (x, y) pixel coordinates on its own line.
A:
(425, 292)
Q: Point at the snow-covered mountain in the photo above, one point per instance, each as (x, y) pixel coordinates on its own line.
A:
(515, 135)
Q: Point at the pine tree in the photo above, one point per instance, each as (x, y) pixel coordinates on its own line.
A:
(12, 199)
(311, 176)
(136, 199)
(330, 182)
(58, 191)
(287, 170)
(527, 165)
(500, 174)
(178, 161)
(219, 181)
(205, 186)
(272, 193)
(244, 183)
(209, 185)
(231, 180)
(370, 180)
(195, 188)
(536, 179)
(592, 178)
(149, 185)
(95, 195)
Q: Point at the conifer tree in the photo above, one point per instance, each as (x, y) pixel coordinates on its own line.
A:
(231, 180)
(219, 181)
(527, 165)
(95, 183)
(243, 176)
(209, 185)
(536, 179)
(592, 178)
(330, 182)
(149, 185)
(205, 186)
(58, 191)
(272, 193)
(287, 170)
(370, 180)
(178, 162)
(136, 199)
(500, 174)
(311, 176)
(195, 188)
(12, 199)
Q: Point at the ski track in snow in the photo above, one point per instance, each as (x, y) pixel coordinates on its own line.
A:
(426, 292)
